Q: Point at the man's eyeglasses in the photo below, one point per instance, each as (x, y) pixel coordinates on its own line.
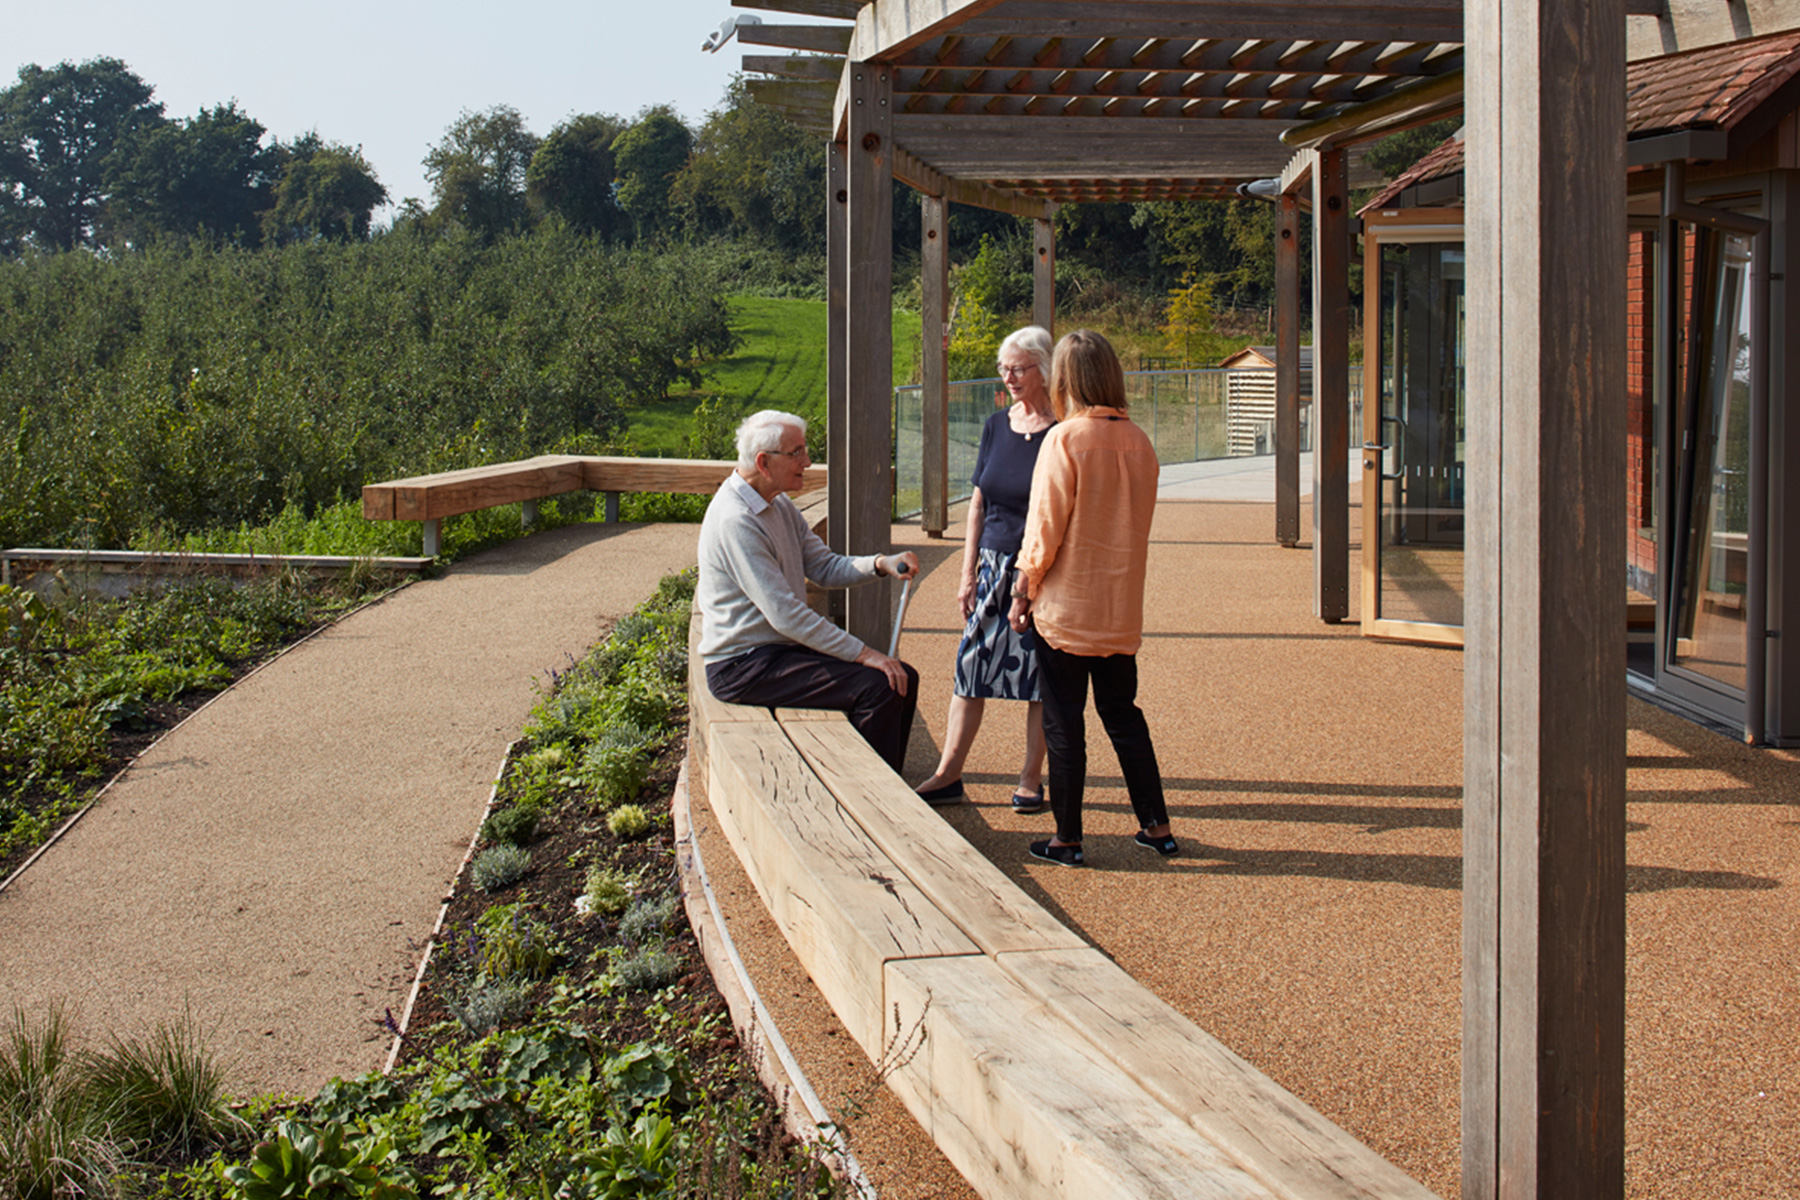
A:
(1007, 372)
(786, 453)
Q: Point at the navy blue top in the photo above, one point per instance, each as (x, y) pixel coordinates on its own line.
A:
(1003, 466)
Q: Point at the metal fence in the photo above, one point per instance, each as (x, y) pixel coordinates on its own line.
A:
(1191, 416)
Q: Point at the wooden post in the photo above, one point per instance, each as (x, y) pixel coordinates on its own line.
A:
(837, 282)
(1043, 276)
(934, 291)
(1544, 668)
(1287, 372)
(869, 341)
(1331, 386)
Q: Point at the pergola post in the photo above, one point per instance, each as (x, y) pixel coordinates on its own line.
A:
(1043, 275)
(1544, 701)
(1287, 371)
(837, 286)
(1331, 385)
(934, 340)
(869, 341)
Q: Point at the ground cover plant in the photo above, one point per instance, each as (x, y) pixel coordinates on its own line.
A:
(86, 683)
(567, 1041)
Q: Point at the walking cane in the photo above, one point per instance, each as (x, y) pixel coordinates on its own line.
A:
(900, 617)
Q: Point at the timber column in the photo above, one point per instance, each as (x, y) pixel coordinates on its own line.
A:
(1043, 274)
(1544, 664)
(1331, 386)
(934, 373)
(868, 463)
(837, 287)
(1287, 371)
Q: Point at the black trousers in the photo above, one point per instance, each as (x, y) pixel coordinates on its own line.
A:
(1064, 688)
(793, 676)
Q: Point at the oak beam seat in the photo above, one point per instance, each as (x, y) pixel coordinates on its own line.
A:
(1035, 1063)
(431, 498)
(841, 903)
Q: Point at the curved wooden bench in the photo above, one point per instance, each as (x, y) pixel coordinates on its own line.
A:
(1038, 1066)
(430, 498)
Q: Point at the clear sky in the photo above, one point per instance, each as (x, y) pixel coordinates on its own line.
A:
(391, 76)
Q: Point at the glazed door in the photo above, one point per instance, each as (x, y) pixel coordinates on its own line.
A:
(1414, 440)
(1703, 639)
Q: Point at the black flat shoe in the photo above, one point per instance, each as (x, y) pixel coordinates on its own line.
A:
(937, 797)
(1068, 856)
(1026, 803)
(1164, 845)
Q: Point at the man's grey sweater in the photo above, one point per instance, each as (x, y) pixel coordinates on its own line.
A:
(755, 558)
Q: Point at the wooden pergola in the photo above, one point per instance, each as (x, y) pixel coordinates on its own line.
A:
(1022, 105)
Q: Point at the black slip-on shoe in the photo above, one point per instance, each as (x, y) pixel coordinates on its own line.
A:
(1068, 856)
(1026, 803)
(1164, 845)
(937, 797)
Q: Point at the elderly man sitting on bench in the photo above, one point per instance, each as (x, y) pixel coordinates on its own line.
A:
(762, 645)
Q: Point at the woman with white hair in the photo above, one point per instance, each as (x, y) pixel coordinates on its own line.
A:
(992, 661)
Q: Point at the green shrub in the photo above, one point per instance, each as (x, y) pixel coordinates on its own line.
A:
(608, 892)
(319, 1163)
(54, 1141)
(646, 969)
(165, 1093)
(499, 866)
(649, 918)
(513, 826)
(487, 1004)
(513, 943)
(628, 821)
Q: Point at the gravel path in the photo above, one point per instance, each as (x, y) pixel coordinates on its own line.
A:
(276, 862)
(1313, 920)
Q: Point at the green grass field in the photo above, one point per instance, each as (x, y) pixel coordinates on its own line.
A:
(781, 364)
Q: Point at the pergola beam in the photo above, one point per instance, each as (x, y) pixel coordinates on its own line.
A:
(923, 177)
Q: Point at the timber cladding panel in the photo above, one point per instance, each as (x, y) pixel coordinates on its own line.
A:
(1036, 1064)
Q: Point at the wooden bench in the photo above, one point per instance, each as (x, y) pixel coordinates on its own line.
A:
(1036, 1064)
(430, 498)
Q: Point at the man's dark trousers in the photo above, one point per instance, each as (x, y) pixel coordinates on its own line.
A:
(792, 676)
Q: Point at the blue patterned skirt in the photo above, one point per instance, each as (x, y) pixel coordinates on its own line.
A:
(992, 663)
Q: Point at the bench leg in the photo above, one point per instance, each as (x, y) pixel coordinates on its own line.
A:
(433, 540)
(528, 514)
(612, 508)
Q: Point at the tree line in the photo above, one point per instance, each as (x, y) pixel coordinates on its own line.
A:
(89, 158)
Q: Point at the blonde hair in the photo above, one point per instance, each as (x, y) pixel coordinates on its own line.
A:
(1085, 373)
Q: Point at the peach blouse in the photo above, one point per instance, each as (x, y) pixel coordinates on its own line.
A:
(1087, 533)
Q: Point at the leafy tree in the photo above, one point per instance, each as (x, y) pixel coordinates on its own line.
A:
(754, 174)
(325, 191)
(478, 171)
(648, 157)
(572, 173)
(210, 173)
(59, 128)
(1188, 316)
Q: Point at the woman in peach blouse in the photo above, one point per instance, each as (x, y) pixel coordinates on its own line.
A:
(1081, 589)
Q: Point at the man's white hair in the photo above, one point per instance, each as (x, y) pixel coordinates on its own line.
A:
(761, 434)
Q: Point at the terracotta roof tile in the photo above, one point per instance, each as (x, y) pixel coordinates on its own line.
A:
(1713, 87)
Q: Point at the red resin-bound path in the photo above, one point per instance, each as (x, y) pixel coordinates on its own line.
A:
(276, 863)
